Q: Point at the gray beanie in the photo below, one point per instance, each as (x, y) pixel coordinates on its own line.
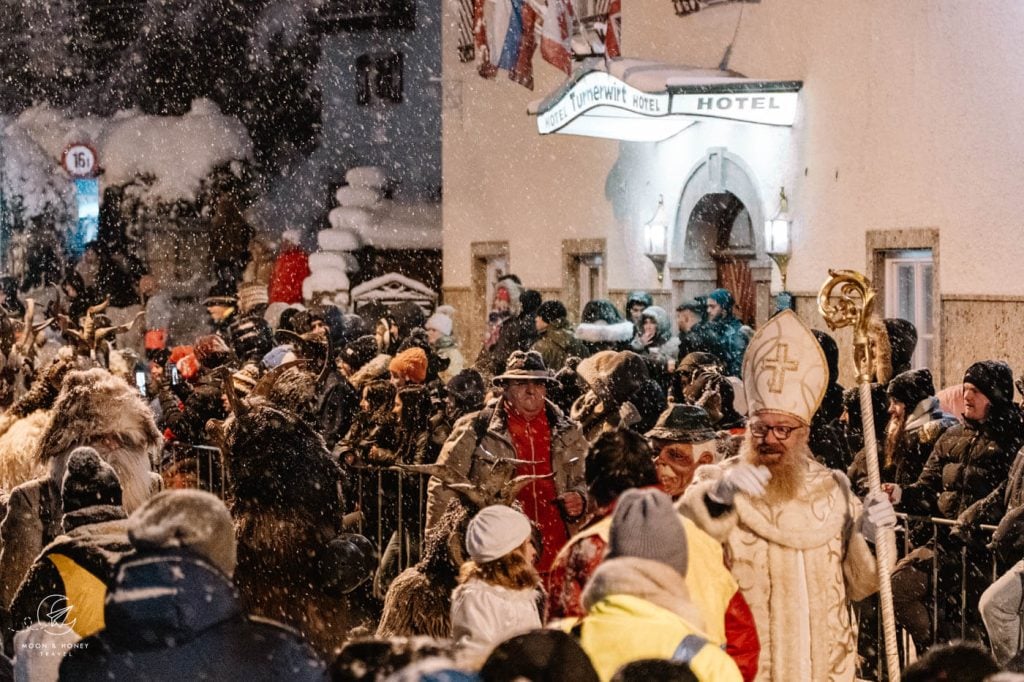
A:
(188, 519)
(646, 526)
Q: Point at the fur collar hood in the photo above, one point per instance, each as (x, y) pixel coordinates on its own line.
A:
(371, 371)
(649, 580)
(597, 332)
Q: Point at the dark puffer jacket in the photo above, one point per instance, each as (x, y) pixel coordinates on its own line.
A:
(174, 617)
(967, 470)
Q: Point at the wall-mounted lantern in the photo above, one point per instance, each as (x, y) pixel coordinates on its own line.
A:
(656, 238)
(777, 236)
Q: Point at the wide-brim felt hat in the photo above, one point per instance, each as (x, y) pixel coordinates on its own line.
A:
(525, 366)
(683, 424)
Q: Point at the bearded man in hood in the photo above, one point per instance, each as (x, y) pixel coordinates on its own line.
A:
(94, 409)
(797, 535)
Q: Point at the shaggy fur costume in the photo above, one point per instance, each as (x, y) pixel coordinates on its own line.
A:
(286, 506)
(799, 564)
(419, 601)
(93, 408)
(21, 427)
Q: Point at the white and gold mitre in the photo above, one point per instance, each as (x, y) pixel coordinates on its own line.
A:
(784, 369)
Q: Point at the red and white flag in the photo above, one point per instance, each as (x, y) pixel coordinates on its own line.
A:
(613, 30)
(555, 45)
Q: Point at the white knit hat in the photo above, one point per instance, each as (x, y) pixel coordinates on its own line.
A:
(494, 532)
(441, 320)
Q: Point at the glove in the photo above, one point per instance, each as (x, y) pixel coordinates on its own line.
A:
(878, 513)
(742, 478)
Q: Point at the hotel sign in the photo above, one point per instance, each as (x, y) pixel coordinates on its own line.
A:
(772, 108)
(599, 89)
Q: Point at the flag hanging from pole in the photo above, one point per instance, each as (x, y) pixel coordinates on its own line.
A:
(613, 30)
(555, 45)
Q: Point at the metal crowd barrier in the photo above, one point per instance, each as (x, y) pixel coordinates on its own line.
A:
(939, 552)
(196, 466)
(384, 496)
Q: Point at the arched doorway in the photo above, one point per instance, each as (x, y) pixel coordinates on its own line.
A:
(715, 243)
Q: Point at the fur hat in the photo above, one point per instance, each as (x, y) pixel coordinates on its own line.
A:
(89, 481)
(911, 387)
(250, 295)
(614, 376)
(186, 519)
(221, 293)
(993, 378)
(360, 351)
(529, 301)
(495, 531)
(552, 311)
(441, 320)
(646, 526)
(411, 364)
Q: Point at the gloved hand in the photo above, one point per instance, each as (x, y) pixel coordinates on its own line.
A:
(878, 513)
(742, 478)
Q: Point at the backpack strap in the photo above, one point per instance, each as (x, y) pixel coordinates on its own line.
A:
(689, 648)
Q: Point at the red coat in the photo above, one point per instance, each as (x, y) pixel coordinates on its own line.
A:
(290, 269)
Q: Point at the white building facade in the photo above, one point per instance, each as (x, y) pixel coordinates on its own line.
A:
(904, 146)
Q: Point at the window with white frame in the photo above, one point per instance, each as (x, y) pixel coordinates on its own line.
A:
(909, 292)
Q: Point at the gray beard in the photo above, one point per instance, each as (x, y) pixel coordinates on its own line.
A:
(789, 475)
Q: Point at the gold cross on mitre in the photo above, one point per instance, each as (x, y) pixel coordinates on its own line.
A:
(779, 365)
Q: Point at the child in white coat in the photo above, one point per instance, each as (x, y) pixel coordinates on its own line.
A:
(497, 596)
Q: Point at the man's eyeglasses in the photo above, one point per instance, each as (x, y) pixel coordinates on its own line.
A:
(781, 432)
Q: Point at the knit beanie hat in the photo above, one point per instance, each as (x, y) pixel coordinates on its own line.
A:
(441, 320)
(546, 655)
(722, 297)
(552, 311)
(494, 532)
(467, 387)
(646, 526)
(410, 363)
(993, 378)
(89, 481)
(529, 301)
(911, 387)
(360, 351)
(187, 519)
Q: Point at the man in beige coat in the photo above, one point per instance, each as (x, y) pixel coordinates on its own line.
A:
(798, 538)
(522, 434)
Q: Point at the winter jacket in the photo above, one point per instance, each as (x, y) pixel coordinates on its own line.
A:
(923, 428)
(290, 269)
(447, 349)
(640, 609)
(485, 615)
(726, 616)
(557, 344)
(474, 448)
(175, 617)
(33, 520)
(727, 341)
(965, 473)
(78, 566)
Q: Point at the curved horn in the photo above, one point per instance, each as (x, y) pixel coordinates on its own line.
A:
(238, 407)
(328, 359)
(98, 308)
(512, 488)
(28, 335)
(267, 381)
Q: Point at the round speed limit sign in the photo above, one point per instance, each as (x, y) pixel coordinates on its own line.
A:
(80, 160)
